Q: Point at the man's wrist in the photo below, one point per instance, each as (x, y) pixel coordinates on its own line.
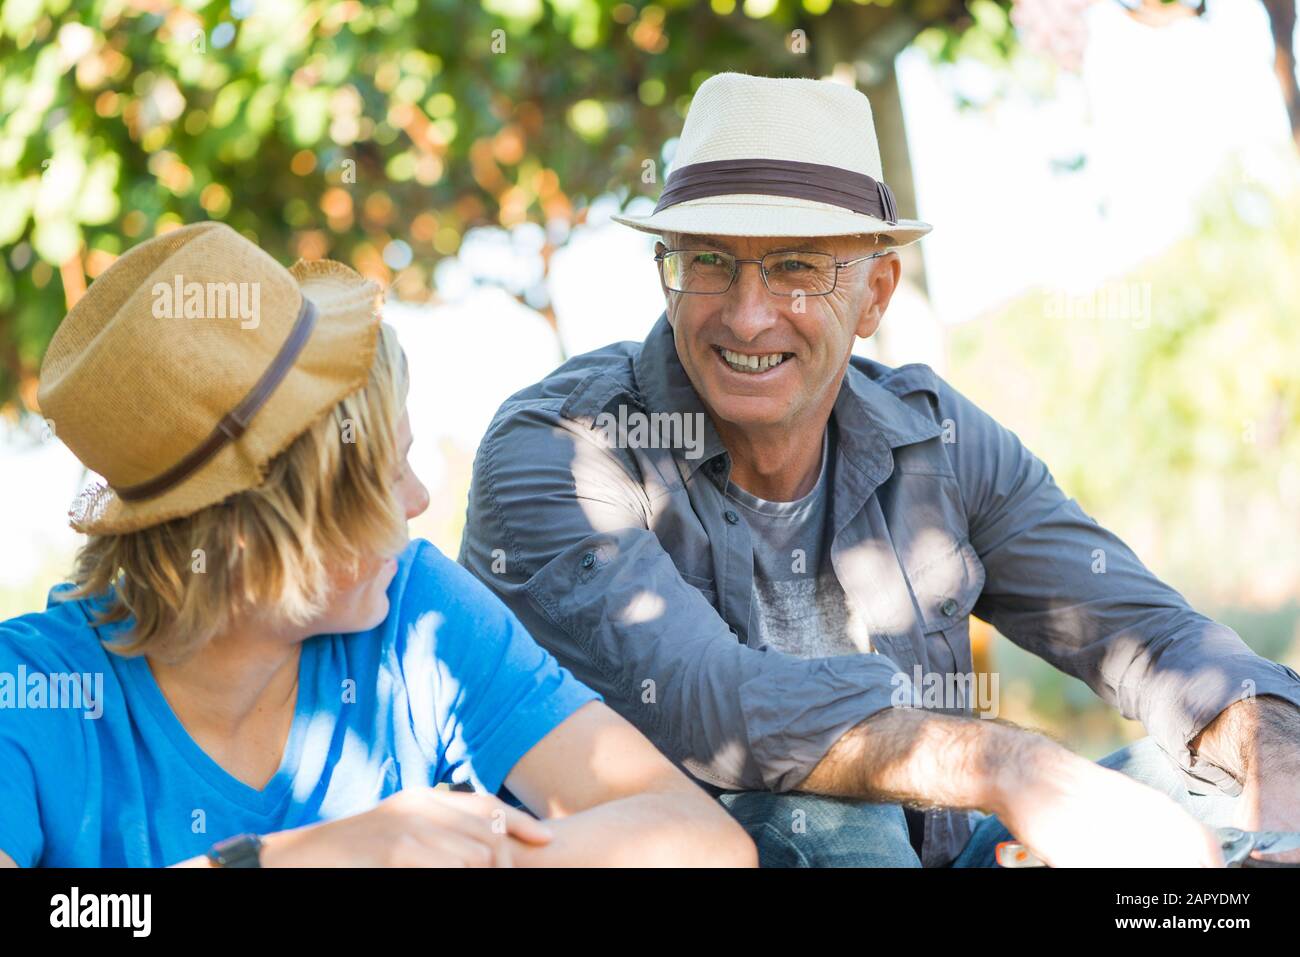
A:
(1018, 764)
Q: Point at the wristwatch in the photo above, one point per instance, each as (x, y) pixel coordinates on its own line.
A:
(243, 850)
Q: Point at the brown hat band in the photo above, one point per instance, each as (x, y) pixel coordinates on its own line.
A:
(233, 424)
(824, 184)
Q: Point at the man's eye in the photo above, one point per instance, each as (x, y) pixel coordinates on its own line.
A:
(791, 265)
(708, 259)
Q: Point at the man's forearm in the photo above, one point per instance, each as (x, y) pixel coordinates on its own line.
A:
(1252, 738)
(924, 759)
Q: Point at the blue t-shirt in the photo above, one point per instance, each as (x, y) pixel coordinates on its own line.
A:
(97, 771)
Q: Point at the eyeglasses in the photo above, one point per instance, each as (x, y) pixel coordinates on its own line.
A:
(710, 272)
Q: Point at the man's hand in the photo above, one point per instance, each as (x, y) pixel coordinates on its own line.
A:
(1073, 813)
(1258, 741)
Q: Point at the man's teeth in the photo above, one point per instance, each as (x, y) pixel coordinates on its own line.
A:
(744, 363)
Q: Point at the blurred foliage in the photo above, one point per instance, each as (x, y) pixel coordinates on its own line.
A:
(372, 133)
(1167, 401)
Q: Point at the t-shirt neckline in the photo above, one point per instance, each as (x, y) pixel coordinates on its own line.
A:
(266, 801)
(776, 509)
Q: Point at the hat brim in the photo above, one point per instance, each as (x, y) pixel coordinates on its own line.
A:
(334, 363)
(757, 215)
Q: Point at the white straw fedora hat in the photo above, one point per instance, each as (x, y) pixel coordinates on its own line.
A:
(763, 156)
(191, 362)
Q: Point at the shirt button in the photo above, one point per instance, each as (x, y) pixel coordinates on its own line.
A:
(588, 559)
(949, 607)
(731, 517)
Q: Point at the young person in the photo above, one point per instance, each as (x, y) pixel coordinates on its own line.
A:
(252, 665)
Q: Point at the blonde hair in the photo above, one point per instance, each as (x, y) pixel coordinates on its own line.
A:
(325, 506)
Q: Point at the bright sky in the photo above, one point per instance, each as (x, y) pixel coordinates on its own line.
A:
(1155, 111)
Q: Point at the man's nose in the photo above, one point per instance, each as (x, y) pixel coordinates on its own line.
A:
(750, 309)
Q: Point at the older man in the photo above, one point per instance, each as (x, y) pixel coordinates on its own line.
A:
(762, 550)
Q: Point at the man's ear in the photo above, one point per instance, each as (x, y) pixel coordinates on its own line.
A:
(881, 283)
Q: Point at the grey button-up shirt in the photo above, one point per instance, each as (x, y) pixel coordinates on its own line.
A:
(631, 566)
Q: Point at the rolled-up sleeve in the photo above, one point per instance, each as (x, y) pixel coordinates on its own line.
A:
(1071, 592)
(559, 528)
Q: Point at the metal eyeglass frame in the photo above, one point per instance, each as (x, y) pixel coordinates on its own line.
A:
(659, 258)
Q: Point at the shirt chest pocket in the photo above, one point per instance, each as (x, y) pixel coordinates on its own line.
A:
(946, 587)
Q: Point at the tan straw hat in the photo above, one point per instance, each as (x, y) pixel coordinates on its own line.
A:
(762, 156)
(194, 360)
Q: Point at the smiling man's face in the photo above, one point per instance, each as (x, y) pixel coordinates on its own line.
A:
(801, 347)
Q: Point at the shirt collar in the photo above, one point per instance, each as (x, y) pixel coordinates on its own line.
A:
(870, 419)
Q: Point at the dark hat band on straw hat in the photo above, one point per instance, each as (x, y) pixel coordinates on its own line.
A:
(233, 424)
(857, 192)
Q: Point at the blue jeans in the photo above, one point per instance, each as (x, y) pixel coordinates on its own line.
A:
(810, 830)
